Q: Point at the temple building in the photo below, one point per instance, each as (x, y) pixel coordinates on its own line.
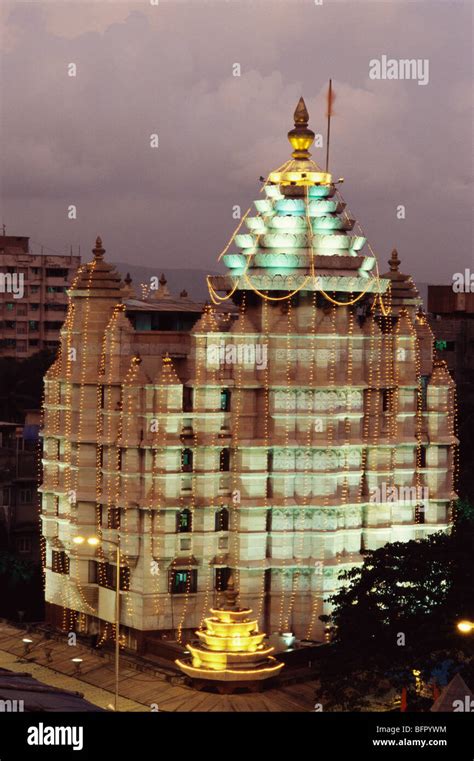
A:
(270, 437)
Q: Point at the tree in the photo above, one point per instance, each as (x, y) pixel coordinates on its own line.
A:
(398, 612)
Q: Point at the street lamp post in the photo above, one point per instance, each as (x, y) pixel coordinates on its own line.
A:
(94, 541)
(117, 624)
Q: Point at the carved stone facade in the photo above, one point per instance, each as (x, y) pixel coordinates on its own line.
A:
(279, 437)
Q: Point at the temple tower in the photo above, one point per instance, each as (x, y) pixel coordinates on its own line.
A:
(269, 437)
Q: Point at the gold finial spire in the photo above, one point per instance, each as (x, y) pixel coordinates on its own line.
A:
(301, 137)
(394, 261)
(99, 250)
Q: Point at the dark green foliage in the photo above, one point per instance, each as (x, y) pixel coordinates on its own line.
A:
(411, 592)
(22, 588)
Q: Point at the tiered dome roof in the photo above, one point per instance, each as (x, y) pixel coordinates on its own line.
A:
(301, 235)
(231, 648)
(404, 290)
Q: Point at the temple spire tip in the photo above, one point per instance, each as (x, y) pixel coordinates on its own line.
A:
(99, 250)
(301, 137)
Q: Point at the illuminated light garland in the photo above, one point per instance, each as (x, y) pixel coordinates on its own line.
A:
(397, 405)
(51, 413)
(330, 475)
(54, 373)
(266, 441)
(376, 279)
(236, 481)
(419, 406)
(108, 346)
(275, 298)
(378, 398)
(367, 415)
(345, 493)
(352, 301)
(220, 383)
(286, 450)
(155, 500)
(121, 495)
(43, 551)
(209, 315)
(307, 479)
(393, 402)
(231, 239)
(216, 299)
(104, 635)
(79, 416)
(312, 383)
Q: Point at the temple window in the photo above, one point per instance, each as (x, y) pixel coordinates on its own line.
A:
(224, 459)
(221, 578)
(222, 520)
(186, 460)
(184, 521)
(182, 582)
(225, 400)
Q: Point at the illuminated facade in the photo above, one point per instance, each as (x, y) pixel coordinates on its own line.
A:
(299, 420)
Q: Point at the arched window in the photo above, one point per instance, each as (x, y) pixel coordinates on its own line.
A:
(222, 520)
(225, 400)
(184, 521)
(224, 459)
(186, 460)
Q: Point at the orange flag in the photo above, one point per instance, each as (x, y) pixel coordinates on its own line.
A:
(330, 98)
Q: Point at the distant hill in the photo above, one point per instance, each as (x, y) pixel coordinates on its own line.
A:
(193, 281)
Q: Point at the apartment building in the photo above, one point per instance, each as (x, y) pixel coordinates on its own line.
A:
(33, 298)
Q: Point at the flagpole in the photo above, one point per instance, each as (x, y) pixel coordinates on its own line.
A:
(329, 123)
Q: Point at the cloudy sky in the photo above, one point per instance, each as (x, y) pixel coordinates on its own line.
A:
(167, 68)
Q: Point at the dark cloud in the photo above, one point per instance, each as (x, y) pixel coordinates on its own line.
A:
(168, 70)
